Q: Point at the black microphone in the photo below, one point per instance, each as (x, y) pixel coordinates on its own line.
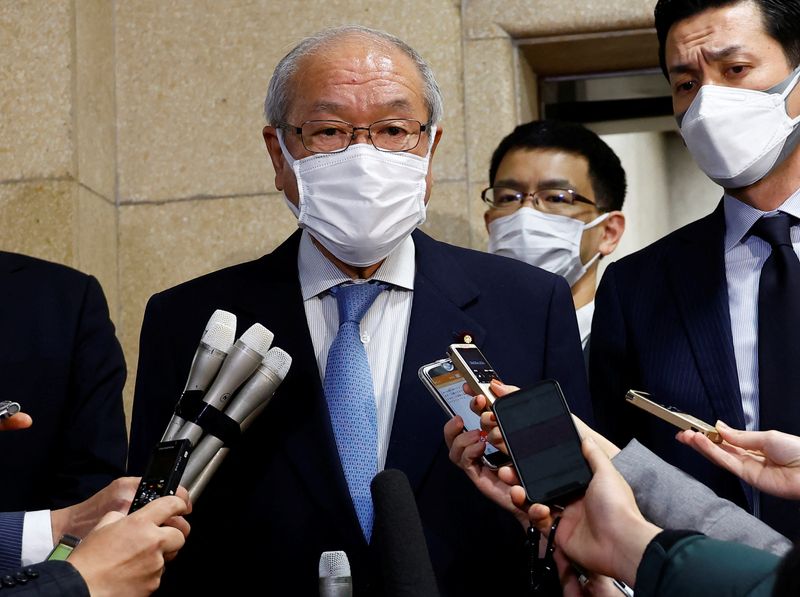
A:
(398, 538)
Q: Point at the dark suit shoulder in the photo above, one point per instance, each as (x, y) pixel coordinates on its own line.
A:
(699, 232)
(40, 270)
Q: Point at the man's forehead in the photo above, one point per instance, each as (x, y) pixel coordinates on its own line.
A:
(345, 75)
(717, 33)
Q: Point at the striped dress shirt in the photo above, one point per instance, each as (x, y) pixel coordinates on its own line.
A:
(384, 328)
(744, 256)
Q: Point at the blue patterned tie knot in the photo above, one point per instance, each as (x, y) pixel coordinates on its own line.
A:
(351, 398)
(354, 300)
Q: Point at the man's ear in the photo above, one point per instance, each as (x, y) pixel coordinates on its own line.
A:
(276, 156)
(613, 228)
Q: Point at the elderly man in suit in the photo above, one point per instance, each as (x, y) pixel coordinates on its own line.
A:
(708, 318)
(360, 299)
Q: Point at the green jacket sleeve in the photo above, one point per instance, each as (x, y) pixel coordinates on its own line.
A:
(681, 563)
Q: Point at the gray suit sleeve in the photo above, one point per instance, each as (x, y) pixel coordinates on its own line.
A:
(671, 499)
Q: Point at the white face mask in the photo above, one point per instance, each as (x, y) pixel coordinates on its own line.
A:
(737, 136)
(360, 203)
(548, 241)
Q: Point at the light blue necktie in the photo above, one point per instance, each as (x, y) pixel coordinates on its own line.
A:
(351, 398)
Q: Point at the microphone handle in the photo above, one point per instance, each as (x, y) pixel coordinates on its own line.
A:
(341, 586)
(200, 458)
(205, 366)
(199, 485)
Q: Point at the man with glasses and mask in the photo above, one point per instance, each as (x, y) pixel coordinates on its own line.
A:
(555, 195)
(360, 299)
(708, 318)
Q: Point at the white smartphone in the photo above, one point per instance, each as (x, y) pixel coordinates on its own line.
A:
(446, 384)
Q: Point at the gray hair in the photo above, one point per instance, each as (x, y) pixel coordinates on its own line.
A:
(279, 92)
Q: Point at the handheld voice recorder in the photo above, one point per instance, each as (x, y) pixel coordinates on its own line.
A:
(477, 371)
(672, 415)
(164, 472)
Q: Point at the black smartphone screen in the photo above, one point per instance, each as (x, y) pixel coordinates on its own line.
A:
(543, 442)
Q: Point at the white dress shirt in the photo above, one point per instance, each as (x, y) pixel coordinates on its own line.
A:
(584, 315)
(744, 256)
(384, 328)
(37, 537)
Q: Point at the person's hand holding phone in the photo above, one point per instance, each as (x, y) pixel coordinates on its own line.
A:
(767, 460)
(466, 452)
(603, 531)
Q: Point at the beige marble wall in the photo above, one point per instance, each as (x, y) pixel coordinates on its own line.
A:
(130, 142)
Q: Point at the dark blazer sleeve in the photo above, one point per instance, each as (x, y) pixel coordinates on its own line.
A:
(608, 363)
(563, 356)
(93, 451)
(11, 524)
(698, 565)
(48, 579)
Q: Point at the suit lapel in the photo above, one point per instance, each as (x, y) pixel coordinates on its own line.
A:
(698, 279)
(441, 291)
(299, 404)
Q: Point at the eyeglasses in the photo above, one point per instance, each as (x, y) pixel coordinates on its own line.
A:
(332, 136)
(546, 200)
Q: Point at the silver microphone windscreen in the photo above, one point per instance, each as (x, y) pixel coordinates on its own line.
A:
(334, 575)
(214, 345)
(243, 359)
(253, 396)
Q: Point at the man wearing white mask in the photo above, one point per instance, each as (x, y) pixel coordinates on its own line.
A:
(708, 318)
(360, 299)
(555, 195)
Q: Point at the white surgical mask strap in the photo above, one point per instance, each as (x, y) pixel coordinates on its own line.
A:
(286, 155)
(597, 221)
(787, 92)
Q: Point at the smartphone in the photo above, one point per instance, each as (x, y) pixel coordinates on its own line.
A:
(474, 367)
(446, 384)
(164, 471)
(543, 442)
(8, 409)
(672, 415)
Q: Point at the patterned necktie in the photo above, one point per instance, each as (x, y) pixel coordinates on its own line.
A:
(779, 352)
(351, 398)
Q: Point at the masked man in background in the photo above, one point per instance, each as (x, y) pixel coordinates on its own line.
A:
(707, 319)
(555, 195)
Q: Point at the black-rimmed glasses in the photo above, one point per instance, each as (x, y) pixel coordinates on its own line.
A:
(547, 200)
(333, 136)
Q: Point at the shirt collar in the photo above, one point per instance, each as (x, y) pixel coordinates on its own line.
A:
(740, 217)
(318, 274)
(584, 316)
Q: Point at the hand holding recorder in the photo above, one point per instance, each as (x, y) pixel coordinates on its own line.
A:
(11, 418)
(767, 460)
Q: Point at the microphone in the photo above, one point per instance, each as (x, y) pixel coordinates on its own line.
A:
(243, 359)
(255, 394)
(334, 575)
(397, 535)
(214, 345)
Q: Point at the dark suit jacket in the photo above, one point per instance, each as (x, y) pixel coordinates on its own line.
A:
(60, 359)
(662, 325)
(48, 579)
(281, 499)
